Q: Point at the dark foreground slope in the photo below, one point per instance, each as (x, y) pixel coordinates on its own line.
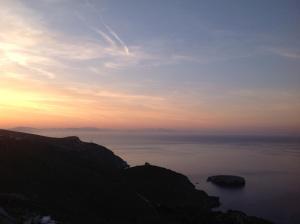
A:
(78, 182)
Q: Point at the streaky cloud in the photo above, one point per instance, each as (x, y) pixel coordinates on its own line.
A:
(121, 42)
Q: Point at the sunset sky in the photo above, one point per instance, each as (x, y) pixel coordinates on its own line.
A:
(178, 64)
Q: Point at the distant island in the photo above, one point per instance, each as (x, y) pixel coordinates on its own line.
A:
(92, 129)
(66, 181)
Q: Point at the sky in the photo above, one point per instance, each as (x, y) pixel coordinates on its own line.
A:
(207, 65)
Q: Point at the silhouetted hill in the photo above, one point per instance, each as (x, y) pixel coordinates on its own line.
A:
(65, 177)
(78, 182)
(167, 188)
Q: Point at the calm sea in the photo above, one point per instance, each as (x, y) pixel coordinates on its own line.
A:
(271, 166)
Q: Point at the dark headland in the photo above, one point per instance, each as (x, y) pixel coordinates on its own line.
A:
(64, 180)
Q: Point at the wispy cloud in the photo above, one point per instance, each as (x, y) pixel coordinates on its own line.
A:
(60, 103)
(29, 47)
(286, 52)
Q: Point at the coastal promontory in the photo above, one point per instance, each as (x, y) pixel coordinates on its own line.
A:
(67, 181)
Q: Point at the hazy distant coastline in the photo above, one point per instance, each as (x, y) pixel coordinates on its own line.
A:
(165, 131)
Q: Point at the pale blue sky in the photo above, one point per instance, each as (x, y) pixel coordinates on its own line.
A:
(237, 42)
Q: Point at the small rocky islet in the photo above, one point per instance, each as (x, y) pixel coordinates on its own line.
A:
(67, 181)
(227, 181)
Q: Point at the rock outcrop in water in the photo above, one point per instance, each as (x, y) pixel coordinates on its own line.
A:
(76, 182)
(227, 181)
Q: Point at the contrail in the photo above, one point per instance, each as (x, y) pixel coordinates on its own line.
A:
(105, 36)
(111, 37)
(121, 42)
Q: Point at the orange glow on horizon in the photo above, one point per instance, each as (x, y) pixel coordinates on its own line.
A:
(40, 105)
